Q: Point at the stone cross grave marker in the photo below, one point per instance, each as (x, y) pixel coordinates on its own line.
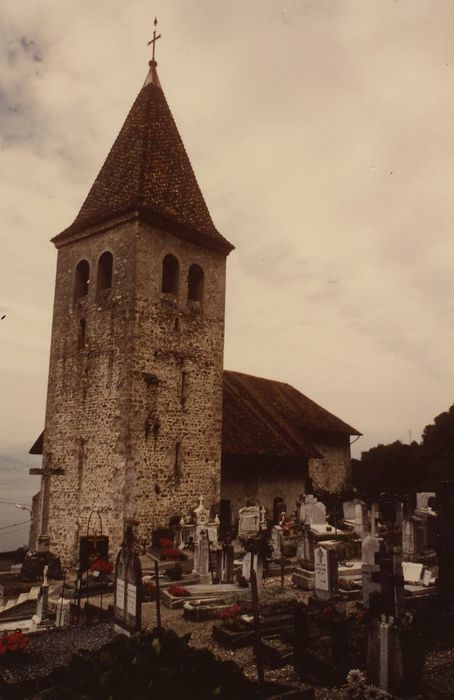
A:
(128, 588)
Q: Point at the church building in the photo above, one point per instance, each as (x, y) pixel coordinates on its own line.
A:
(137, 394)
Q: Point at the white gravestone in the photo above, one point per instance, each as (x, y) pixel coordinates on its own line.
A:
(412, 572)
(325, 569)
(422, 499)
(202, 517)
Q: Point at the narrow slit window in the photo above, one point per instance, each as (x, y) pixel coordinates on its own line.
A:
(81, 336)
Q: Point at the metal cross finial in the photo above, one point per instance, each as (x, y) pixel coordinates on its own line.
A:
(155, 38)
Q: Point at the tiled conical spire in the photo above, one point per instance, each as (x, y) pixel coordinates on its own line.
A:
(148, 171)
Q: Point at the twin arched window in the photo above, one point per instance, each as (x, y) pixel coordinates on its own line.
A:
(103, 278)
(171, 279)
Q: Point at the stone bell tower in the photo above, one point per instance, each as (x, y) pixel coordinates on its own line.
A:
(134, 405)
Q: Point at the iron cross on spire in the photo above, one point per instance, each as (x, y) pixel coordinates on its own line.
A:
(155, 38)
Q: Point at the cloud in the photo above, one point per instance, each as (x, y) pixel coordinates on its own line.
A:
(321, 136)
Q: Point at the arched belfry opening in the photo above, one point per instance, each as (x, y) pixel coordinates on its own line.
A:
(105, 268)
(196, 283)
(82, 279)
(170, 275)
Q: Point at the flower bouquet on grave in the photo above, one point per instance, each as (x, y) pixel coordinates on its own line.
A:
(13, 642)
(101, 565)
(231, 617)
(172, 555)
(346, 585)
(178, 591)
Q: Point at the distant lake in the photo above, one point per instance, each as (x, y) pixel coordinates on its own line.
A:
(16, 486)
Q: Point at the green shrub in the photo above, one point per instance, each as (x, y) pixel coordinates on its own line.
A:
(149, 666)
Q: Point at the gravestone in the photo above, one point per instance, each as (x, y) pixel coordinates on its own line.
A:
(370, 569)
(202, 517)
(227, 561)
(128, 588)
(318, 513)
(63, 612)
(254, 561)
(360, 518)
(325, 567)
(422, 499)
(277, 542)
(348, 508)
(42, 604)
(248, 521)
(202, 558)
(92, 547)
(412, 572)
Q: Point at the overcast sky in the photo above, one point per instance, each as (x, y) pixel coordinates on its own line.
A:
(322, 136)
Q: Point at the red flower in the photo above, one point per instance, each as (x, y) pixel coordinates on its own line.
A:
(166, 543)
(101, 565)
(178, 591)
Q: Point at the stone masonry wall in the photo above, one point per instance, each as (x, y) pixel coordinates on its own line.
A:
(115, 409)
(333, 471)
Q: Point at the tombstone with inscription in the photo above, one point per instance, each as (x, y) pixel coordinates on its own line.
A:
(128, 588)
(248, 521)
(202, 558)
(325, 567)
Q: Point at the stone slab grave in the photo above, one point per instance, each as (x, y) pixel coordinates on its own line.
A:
(202, 610)
(199, 591)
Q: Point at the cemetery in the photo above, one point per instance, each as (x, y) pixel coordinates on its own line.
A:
(313, 605)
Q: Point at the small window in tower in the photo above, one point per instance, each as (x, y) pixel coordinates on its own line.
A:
(105, 267)
(170, 275)
(177, 463)
(82, 279)
(184, 389)
(195, 286)
(81, 336)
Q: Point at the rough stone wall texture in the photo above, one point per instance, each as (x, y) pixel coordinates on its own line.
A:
(333, 471)
(242, 484)
(112, 431)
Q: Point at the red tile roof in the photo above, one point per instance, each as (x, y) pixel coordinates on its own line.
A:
(265, 417)
(148, 171)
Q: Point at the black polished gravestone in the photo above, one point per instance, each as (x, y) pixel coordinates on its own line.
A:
(92, 547)
(128, 588)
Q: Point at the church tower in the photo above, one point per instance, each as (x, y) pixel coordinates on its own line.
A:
(134, 407)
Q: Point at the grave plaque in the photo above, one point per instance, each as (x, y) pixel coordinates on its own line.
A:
(128, 588)
(321, 569)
